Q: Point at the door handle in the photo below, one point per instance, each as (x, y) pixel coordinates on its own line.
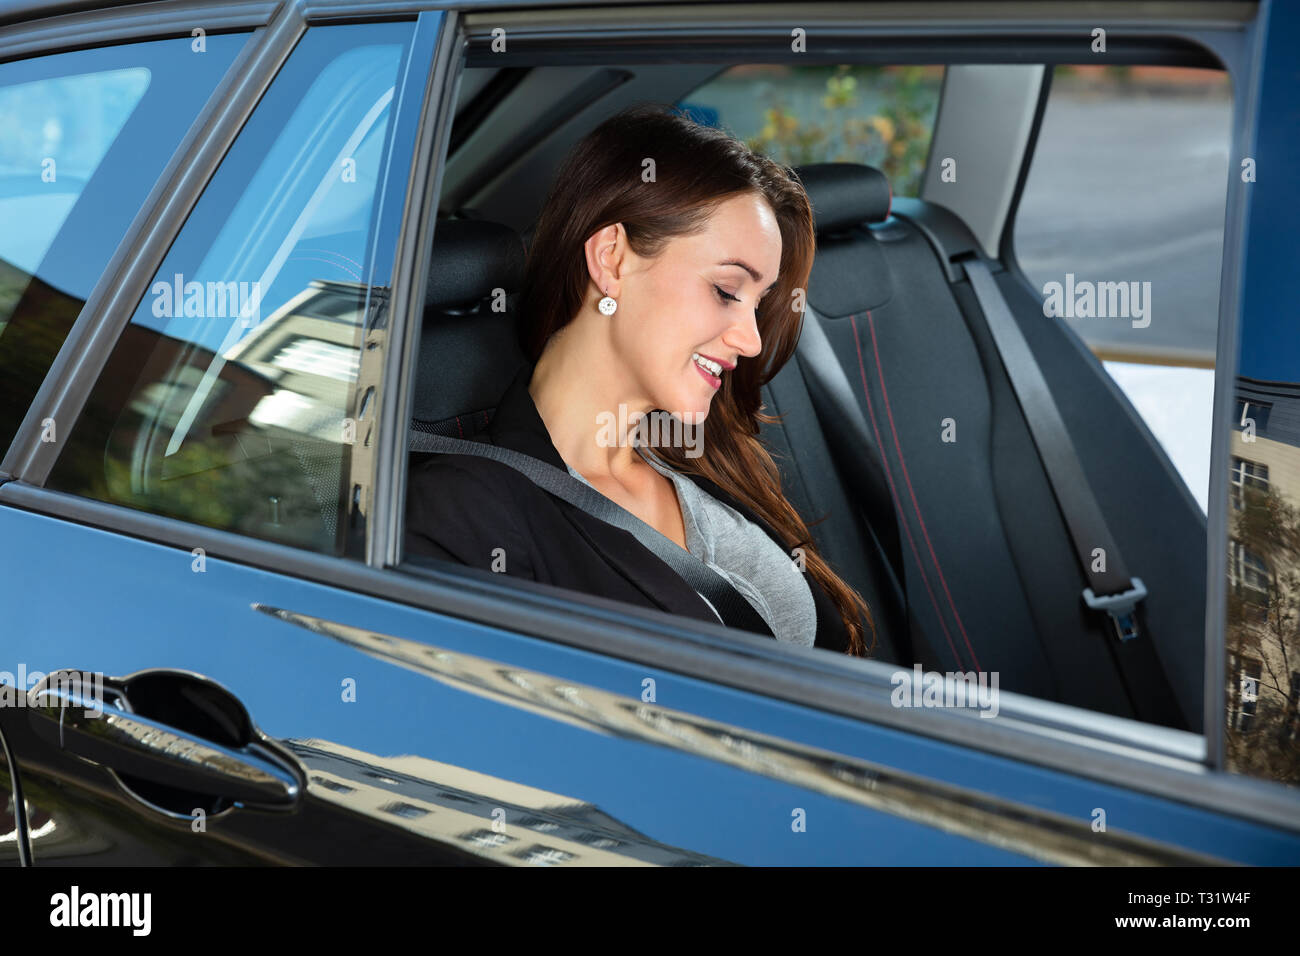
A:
(66, 712)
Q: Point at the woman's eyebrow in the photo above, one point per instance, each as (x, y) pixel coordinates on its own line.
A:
(754, 273)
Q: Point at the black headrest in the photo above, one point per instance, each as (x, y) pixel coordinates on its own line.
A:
(471, 258)
(845, 195)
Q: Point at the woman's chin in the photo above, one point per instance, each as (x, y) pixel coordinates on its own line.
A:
(691, 413)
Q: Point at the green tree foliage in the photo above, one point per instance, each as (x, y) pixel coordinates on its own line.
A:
(895, 138)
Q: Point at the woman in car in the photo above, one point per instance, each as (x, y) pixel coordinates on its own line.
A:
(665, 277)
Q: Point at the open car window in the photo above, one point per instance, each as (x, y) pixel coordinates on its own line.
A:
(990, 575)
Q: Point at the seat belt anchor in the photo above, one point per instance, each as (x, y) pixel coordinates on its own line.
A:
(1121, 607)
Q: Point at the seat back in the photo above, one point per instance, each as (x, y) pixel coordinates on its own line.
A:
(990, 569)
(468, 348)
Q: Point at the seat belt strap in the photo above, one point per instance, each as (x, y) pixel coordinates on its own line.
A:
(1112, 590)
(729, 604)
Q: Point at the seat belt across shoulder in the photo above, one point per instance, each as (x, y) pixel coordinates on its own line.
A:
(729, 604)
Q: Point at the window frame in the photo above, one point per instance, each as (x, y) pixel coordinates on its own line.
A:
(88, 210)
(1242, 474)
(1083, 743)
(1259, 419)
(1242, 564)
(124, 282)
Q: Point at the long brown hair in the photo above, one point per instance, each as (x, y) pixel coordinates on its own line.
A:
(695, 168)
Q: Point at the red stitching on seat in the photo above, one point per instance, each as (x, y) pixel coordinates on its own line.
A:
(916, 507)
(458, 428)
(898, 504)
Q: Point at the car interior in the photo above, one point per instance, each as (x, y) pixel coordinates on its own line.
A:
(959, 547)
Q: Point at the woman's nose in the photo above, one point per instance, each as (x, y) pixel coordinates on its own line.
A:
(744, 337)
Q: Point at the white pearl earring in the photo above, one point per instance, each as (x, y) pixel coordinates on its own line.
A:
(607, 305)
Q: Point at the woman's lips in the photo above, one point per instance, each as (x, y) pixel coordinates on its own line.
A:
(713, 380)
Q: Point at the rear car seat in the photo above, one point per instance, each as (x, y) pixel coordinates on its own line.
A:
(990, 571)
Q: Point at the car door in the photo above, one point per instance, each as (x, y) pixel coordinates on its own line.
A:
(240, 674)
(248, 400)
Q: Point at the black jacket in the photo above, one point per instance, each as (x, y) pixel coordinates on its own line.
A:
(461, 508)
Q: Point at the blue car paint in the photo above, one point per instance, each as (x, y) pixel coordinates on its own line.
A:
(291, 681)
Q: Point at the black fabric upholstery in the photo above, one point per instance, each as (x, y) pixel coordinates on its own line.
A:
(464, 355)
(913, 364)
(468, 348)
(845, 195)
(812, 483)
(991, 575)
(472, 258)
(849, 276)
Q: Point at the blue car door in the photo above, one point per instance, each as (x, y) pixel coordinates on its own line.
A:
(211, 657)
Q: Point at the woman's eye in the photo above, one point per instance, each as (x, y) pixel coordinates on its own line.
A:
(725, 296)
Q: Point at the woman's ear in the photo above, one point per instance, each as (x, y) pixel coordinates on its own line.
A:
(606, 251)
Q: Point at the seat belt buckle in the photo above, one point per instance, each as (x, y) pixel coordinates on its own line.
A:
(1121, 607)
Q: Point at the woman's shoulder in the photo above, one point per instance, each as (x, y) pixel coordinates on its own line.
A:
(448, 474)
(469, 508)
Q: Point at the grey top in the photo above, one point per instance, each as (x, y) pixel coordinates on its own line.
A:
(745, 556)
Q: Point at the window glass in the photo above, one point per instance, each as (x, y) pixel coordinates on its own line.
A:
(229, 399)
(83, 138)
(42, 117)
(1124, 209)
(878, 115)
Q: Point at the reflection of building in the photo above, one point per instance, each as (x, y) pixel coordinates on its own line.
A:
(1274, 409)
(268, 437)
(559, 829)
(1263, 667)
(497, 819)
(310, 351)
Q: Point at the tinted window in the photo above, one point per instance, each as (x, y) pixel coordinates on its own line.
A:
(230, 399)
(83, 138)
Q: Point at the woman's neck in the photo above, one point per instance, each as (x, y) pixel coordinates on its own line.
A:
(587, 402)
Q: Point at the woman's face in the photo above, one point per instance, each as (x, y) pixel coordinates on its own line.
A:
(698, 299)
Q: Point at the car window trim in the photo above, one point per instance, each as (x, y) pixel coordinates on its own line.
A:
(1231, 297)
(29, 30)
(396, 394)
(92, 28)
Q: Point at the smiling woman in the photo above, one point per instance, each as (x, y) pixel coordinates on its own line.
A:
(663, 278)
